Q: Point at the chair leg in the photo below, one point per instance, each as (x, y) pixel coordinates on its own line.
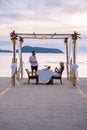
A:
(52, 80)
(28, 80)
(61, 81)
(37, 79)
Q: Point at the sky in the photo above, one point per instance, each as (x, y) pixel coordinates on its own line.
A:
(42, 16)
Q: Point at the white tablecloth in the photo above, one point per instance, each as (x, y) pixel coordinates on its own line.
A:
(45, 75)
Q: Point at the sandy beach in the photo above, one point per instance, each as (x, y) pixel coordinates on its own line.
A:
(43, 107)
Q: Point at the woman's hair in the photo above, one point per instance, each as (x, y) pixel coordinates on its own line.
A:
(61, 63)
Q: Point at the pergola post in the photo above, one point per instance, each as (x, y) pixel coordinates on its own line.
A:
(74, 53)
(14, 60)
(74, 38)
(71, 69)
(67, 57)
(21, 63)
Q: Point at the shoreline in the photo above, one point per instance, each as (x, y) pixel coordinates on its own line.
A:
(42, 61)
(6, 82)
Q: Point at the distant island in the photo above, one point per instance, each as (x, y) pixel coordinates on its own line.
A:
(28, 49)
(8, 51)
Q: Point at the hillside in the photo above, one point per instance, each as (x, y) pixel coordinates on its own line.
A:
(7, 51)
(28, 49)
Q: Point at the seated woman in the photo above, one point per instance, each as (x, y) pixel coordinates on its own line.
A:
(57, 74)
(58, 71)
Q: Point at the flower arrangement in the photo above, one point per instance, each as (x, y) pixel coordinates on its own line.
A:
(65, 40)
(13, 36)
(74, 37)
(47, 67)
(21, 40)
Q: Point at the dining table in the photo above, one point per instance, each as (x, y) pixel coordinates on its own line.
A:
(45, 75)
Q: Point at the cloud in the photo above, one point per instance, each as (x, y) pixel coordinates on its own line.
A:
(42, 16)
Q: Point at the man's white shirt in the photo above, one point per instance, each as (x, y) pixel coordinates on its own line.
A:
(33, 59)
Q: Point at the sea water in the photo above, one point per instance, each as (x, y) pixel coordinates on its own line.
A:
(43, 60)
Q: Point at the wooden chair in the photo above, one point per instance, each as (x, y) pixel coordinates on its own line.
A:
(57, 77)
(32, 76)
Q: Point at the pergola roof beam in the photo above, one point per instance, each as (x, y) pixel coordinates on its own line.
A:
(46, 37)
(45, 34)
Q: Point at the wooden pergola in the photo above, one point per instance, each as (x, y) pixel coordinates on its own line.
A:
(14, 36)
